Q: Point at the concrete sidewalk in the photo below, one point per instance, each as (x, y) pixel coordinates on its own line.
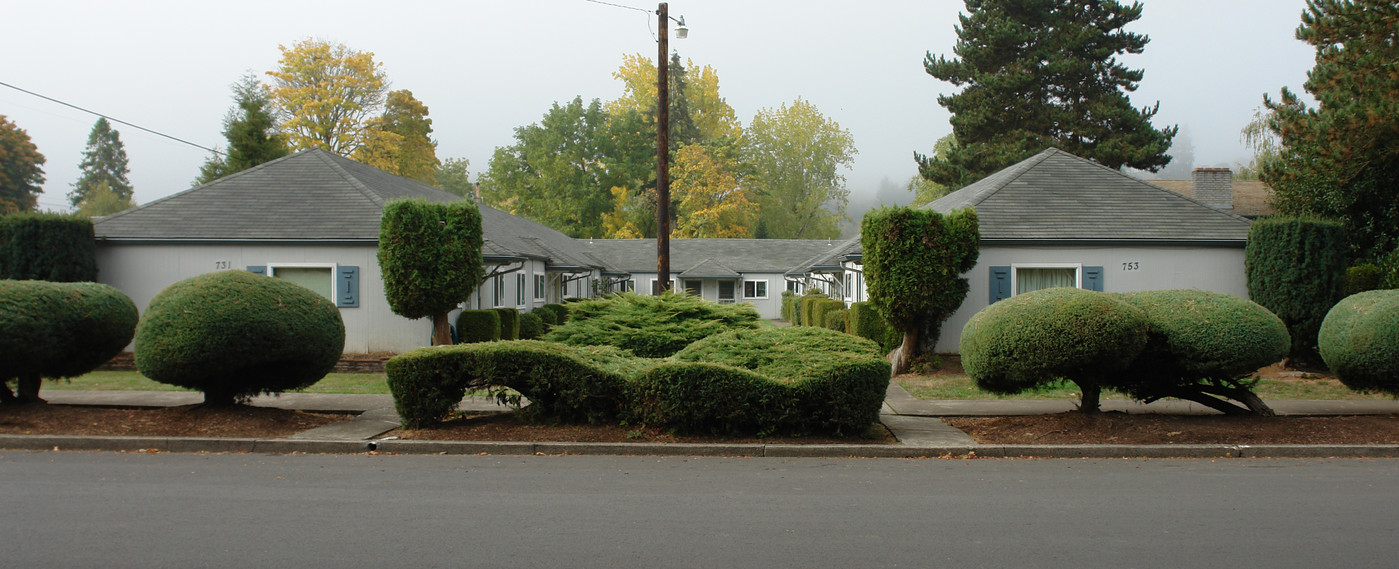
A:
(914, 423)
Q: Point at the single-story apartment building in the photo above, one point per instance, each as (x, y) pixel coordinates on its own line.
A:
(313, 217)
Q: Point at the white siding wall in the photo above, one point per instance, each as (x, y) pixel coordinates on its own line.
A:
(141, 271)
(1216, 269)
(768, 308)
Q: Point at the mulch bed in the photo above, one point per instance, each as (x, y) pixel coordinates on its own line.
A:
(1122, 428)
(505, 427)
(183, 421)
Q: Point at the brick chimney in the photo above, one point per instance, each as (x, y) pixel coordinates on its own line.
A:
(1213, 186)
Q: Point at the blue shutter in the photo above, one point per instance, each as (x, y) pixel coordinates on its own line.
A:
(258, 269)
(1000, 283)
(1093, 278)
(347, 287)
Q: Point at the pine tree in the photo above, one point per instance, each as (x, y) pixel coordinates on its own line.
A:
(1341, 159)
(1041, 73)
(251, 131)
(104, 160)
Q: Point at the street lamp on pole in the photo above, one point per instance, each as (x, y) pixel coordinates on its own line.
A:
(663, 142)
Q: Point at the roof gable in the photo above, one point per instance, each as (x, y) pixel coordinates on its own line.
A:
(1056, 196)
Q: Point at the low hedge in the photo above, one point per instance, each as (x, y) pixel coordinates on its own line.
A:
(866, 323)
(1363, 277)
(835, 320)
(649, 326)
(509, 323)
(707, 398)
(836, 383)
(475, 326)
(553, 314)
(1033, 339)
(47, 247)
(1359, 341)
(531, 326)
(562, 383)
(787, 305)
(819, 309)
(59, 330)
(234, 334)
(1202, 344)
(808, 308)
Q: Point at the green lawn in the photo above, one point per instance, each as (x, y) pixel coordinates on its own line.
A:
(372, 383)
(959, 386)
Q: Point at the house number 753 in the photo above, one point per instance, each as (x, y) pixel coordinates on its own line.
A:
(1132, 266)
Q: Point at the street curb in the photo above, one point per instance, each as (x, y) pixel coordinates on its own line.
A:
(395, 446)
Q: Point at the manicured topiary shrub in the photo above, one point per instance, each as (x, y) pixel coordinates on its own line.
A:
(834, 382)
(649, 326)
(509, 323)
(562, 383)
(1033, 339)
(58, 330)
(430, 258)
(803, 305)
(531, 326)
(1363, 277)
(478, 326)
(868, 324)
(553, 314)
(787, 305)
(835, 320)
(1296, 269)
(233, 334)
(1201, 346)
(914, 262)
(1359, 341)
(47, 247)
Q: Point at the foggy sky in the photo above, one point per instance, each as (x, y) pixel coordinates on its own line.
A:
(485, 68)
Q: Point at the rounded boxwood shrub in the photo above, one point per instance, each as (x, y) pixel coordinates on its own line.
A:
(531, 326)
(478, 326)
(233, 334)
(649, 326)
(1033, 339)
(509, 323)
(1359, 341)
(1363, 277)
(1200, 346)
(553, 313)
(59, 330)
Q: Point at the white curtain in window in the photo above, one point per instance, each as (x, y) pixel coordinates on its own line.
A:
(1032, 279)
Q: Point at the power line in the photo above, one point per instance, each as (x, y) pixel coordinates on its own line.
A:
(180, 140)
(620, 6)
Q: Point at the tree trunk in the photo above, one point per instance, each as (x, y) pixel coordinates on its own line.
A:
(1245, 396)
(1090, 397)
(901, 356)
(7, 396)
(28, 389)
(441, 330)
(219, 398)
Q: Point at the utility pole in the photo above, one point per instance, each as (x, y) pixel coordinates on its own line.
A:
(663, 150)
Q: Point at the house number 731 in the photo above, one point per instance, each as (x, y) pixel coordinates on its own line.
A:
(1132, 266)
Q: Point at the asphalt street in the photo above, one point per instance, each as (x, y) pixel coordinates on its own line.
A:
(112, 510)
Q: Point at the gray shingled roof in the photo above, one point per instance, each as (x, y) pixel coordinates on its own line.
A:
(312, 195)
(1056, 196)
(709, 269)
(739, 255)
(315, 195)
(829, 260)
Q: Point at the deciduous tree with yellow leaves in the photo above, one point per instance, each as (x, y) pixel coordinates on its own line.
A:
(326, 94)
(399, 143)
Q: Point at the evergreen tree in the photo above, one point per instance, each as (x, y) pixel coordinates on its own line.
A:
(104, 161)
(1041, 73)
(1341, 159)
(251, 131)
(21, 169)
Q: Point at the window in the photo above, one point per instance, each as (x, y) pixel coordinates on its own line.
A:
(755, 289)
(499, 290)
(726, 292)
(539, 287)
(320, 278)
(656, 286)
(520, 289)
(694, 287)
(631, 285)
(1032, 278)
(795, 287)
(845, 289)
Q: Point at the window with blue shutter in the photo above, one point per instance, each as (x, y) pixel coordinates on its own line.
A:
(1093, 278)
(347, 287)
(1000, 283)
(258, 269)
